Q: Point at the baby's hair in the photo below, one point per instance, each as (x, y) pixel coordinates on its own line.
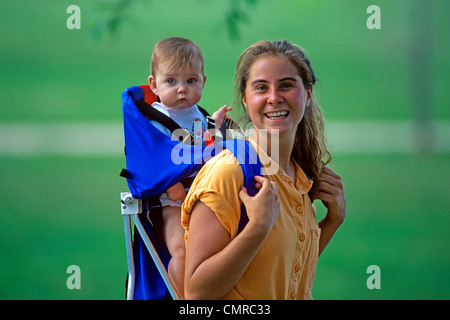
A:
(177, 53)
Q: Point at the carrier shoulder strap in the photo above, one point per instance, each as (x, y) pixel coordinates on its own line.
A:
(211, 124)
(248, 158)
(152, 114)
(203, 111)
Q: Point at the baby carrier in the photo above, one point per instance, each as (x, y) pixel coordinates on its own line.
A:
(155, 162)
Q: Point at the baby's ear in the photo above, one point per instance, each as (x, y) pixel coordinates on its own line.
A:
(204, 81)
(152, 83)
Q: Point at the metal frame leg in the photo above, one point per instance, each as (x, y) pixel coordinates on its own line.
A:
(131, 208)
(130, 258)
(154, 254)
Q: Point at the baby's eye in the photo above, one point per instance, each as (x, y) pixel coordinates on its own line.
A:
(171, 81)
(191, 81)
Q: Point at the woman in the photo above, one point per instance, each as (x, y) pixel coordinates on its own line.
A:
(275, 255)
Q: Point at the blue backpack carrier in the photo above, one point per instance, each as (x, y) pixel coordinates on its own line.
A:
(150, 171)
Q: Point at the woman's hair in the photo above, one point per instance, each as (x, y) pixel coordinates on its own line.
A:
(310, 150)
(177, 52)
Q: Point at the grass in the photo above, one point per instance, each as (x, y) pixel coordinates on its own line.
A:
(396, 219)
(66, 213)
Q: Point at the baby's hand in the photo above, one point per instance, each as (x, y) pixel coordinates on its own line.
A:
(221, 115)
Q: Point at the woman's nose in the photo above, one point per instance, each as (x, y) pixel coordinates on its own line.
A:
(274, 98)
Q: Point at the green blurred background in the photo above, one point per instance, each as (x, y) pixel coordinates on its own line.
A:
(60, 207)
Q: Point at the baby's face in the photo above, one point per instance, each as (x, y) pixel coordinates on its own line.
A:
(179, 89)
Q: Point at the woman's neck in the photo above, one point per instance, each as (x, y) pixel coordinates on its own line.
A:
(278, 149)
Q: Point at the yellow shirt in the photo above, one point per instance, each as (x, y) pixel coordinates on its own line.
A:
(285, 265)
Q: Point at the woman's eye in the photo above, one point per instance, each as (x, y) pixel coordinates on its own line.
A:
(286, 85)
(261, 88)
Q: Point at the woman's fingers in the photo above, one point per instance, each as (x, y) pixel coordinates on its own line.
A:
(328, 171)
(262, 208)
(261, 181)
(331, 192)
(332, 178)
(330, 187)
(243, 195)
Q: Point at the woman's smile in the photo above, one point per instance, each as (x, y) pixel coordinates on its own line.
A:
(277, 115)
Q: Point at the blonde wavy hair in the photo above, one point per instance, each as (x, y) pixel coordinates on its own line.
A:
(310, 150)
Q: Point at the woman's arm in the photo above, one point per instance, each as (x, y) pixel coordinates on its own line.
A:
(214, 264)
(331, 193)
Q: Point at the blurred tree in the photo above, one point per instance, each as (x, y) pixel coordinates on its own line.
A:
(421, 48)
(117, 13)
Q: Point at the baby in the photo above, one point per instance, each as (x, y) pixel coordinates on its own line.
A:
(177, 78)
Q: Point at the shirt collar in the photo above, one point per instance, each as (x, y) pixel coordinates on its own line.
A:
(302, 183)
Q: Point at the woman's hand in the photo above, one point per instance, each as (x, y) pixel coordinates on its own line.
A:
(331, 193)
(214, 262)
(263, 208)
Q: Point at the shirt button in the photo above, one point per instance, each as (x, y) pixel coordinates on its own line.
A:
(293, 295)
(298, 267)
(299, 209)
(301, 237)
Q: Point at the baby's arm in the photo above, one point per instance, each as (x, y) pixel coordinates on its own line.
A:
(176, 192)
(221, 115)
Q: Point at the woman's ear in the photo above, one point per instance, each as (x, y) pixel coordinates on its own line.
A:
(309, 95)
(244, 102)
(152, 83)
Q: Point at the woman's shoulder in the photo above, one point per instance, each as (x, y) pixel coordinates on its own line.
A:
(223, 164)
(217, 185)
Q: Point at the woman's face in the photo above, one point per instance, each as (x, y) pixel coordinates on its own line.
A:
(275, 96)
